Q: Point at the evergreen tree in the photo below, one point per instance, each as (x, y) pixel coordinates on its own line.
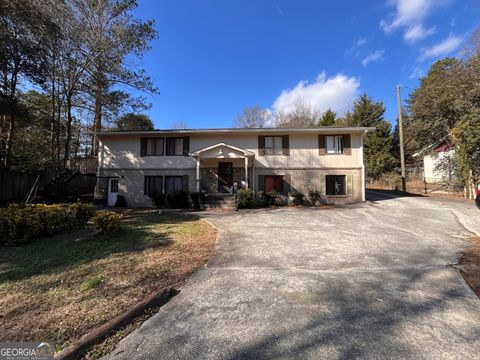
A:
(377, 145)
(328, 118)
(132, 121)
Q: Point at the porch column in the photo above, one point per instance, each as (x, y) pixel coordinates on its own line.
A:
(198, 174)
(246, 172)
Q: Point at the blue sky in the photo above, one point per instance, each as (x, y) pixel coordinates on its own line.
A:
(214, 58)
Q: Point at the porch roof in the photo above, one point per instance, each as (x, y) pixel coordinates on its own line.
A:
(222, 147)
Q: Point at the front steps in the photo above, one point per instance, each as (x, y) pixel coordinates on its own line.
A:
(219, 201)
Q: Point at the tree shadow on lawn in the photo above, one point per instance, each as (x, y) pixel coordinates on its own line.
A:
(47, 255)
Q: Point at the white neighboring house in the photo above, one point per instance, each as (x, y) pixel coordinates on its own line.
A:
(431, 163)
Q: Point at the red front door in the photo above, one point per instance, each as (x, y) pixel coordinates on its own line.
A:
(274, 183)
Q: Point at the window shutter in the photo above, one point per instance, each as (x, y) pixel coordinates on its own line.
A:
(185, 182)
(321, 145)
(186, 145)
(349, 179)
(347, 147)
(261, 183)
(322, 188)
(143, 147)
(287, 181)
(285, 145)
(261, 146)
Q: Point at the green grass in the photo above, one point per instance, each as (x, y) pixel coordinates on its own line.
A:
(60, 287)
(91, 283)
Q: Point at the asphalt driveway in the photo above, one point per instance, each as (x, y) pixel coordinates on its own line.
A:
(376, 280)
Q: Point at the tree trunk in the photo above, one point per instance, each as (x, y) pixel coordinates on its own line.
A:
(52, 123)
(9, 141)
(97, 119)
(68, 130)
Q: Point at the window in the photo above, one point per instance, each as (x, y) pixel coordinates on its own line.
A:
(334, 144)
(114, 185)
(153, 185)
(335, 184)
(175, 146)
(173, 184)
(273, 183)
(273, 145)
(153, 146)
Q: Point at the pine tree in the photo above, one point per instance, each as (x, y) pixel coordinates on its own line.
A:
(378, 144)
(328, 118)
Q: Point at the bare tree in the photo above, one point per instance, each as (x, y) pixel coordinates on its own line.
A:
(254, 117)
(303, 115)
(181, 124)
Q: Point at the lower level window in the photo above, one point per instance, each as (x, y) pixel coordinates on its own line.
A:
(173, 184)
(153, 185)
(273, 183)
(335, 184)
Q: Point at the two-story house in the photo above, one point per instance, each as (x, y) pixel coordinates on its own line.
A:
(138, 163)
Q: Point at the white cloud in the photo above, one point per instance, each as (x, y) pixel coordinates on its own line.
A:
(417, 73)
(443, 48)
(410, 15)
(336, 93)
(356, 45)
(417, 32)
(372, 57)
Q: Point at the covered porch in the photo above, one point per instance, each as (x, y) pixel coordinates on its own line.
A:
(222, 168)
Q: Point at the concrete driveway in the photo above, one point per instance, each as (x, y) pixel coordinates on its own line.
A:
(376, 280)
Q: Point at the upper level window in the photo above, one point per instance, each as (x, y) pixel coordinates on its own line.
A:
(334, 144)
(152, 146)
(273, 145)
(174, 146)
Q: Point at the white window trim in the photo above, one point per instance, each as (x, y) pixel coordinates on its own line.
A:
(337, 144)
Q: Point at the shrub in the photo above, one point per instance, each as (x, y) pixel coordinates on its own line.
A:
(244, 198)
(314, 195)
(269, 197)
(82, 212)
(54, 218)
(158, 199)
(20, 224)
(197, 198)
(177, 200)
(24, 222)
(297, 198)
(107, 222)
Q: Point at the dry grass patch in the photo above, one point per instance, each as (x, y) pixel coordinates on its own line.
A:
(470, 261)
(61, 287)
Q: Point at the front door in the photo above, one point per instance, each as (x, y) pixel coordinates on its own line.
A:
(112, 191)
(225, 177)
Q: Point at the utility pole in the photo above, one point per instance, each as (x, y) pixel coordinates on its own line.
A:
(400, 133)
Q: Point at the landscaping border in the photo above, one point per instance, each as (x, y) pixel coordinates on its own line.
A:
(79, 348)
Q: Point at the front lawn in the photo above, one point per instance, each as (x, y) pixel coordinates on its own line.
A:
(61, 287)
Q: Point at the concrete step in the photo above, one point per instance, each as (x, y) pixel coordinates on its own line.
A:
(219, 202)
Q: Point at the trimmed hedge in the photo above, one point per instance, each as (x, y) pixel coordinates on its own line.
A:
(21, 223)
(244, 198)
(107, 222)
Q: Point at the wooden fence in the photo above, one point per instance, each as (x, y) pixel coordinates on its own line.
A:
(15, 185)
